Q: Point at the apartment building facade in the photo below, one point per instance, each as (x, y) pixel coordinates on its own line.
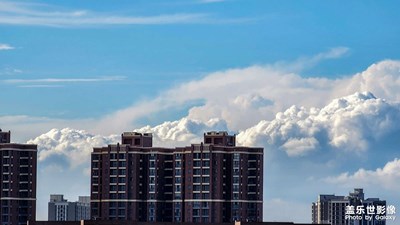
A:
(332, 209)
(60, 209)
(211, 182)
(17, 180)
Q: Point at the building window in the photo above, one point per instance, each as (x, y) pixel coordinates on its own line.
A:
(112, 212)
(178, 195)
(121, 196)
(113, 196)
(196, 212)
(122, 172)
(197, 172)
(122, 163)
(196, 180)
(206, 188)
(196, 188)
(113, 187)
(121, 188)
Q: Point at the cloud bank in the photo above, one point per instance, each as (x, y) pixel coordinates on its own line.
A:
(182, 132)
(73, 145)
(76, 145)
(259, 92)
(349, 123)
(243, 97)
(388, 177)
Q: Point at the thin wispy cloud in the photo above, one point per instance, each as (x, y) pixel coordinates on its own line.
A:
(308, 62)
(63, 80)
(5, 47)
(45, 15)
(210, 1)
(10, 71)
(40, 86)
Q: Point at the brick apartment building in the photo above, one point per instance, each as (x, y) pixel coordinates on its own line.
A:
(211, 182)
(17, 180)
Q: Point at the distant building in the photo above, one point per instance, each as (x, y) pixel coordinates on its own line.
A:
(83, 208)
(331, 209)
(17, 180)
(62, 210)
(5, 137)
(210, 182)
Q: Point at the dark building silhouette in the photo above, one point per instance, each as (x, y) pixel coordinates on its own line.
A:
(210, 182)
(5, 137)
(17, 180)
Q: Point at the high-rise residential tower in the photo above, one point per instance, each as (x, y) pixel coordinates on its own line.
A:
(210, 182)
(62, 210)
(17, 180)
(332, 209)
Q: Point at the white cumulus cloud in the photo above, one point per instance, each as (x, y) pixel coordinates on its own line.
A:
(388, 177)
(182, 132)
(245, 96)
(347, 123)
(74, 145)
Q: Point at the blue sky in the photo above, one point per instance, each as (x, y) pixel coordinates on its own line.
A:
(152, 57)
(108, 67)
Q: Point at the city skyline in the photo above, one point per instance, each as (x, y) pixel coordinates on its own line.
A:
(316, 84)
